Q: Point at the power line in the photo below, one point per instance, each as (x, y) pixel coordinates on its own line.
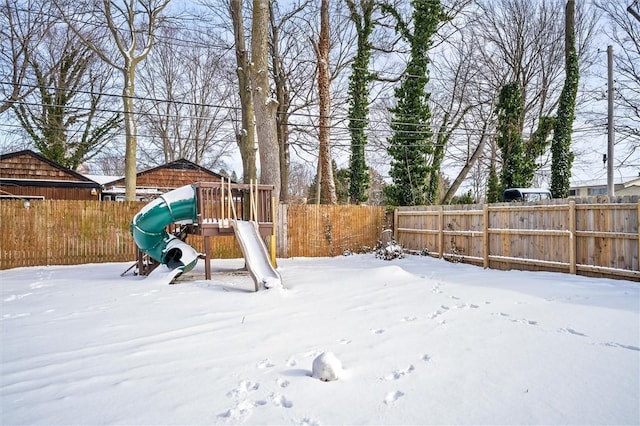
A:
(426, 126)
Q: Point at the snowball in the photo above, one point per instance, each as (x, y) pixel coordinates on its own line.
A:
(326, 367)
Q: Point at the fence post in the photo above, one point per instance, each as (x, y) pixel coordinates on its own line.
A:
(395, 224)
(572, 237)
(638, 220)
(485, 235)
(441, 233)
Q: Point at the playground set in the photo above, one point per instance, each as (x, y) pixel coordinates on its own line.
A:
(208, 209)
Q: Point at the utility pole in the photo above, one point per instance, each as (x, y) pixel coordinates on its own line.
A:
(610, 134)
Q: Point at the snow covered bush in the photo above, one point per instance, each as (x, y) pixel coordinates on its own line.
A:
(326, 367)
(391, 251)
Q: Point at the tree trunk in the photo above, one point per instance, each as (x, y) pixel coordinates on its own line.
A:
(465, 170)
(562, 157)
(245, 137)
(131, 133)
(327, 184)
(282, 115)
(265, 107)
(283, 144)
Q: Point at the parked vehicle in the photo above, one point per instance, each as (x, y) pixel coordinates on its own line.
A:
(526, 194)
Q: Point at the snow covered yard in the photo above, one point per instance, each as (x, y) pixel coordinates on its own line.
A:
(421, 341)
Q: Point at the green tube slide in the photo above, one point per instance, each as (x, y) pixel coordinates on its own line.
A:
(148, 228)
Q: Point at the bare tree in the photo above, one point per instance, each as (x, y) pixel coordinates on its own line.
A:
(23, 24)
(132, 27)
(623, 30)
(186, 106)
(67, 116)
(245, 136)
(283, 45)
(523, 42)
(321, 48)
(265, 106)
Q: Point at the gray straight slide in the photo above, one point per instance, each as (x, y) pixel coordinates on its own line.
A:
(255, 254)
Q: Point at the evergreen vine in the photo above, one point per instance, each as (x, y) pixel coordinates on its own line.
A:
(411, 143)
(509, 135)
(358, 93)
(494, 190)
(561, 155)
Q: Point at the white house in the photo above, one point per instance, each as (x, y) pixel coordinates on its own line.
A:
(591, 188)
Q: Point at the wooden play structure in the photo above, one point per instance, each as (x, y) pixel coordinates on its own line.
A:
(218, 207)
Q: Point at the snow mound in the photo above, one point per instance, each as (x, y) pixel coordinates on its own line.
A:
(326, 367)
(392, 272)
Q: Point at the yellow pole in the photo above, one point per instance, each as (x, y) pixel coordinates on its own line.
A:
(257, 201)
(254, 205)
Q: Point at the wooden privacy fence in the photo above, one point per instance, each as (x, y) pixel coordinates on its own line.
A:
(590, 239)
(58, 232)
(320, 230)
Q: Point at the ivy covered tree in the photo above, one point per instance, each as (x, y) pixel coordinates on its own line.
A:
(411, 143)
(494, 190)
(537, 145)
(562, 157)
(359, 82)
(509, 135)
(519, 156)
(64, 116)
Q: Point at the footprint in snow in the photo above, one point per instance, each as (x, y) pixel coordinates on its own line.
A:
(266, 363)
(436, 314)
(377, 330)
(425, 358)
(392, 397)
(281, 400)
(525, 321)
(571, 331)
(398, 374)
(291, 362)
(309, 422)
(241, 411)
(465, 306)
(244, 387)
(618, 345)
(282, 383)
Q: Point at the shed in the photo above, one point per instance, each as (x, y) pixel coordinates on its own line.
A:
(156, 181)
(28, 175)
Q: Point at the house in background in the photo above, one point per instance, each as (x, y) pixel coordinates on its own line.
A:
(593, 188)
(28, 175)
(158, 180)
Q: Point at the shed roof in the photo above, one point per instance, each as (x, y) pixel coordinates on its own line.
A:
(181, 164)
(12, 170)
